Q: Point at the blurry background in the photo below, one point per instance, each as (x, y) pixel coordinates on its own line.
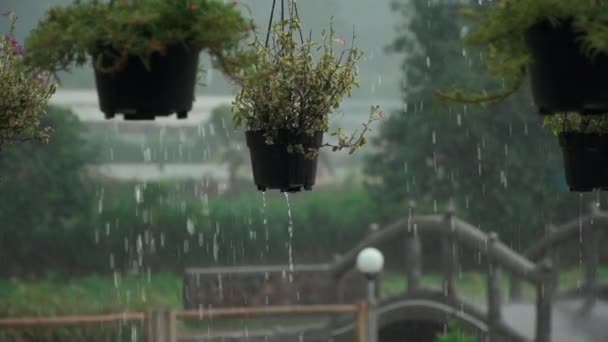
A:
(119, 208)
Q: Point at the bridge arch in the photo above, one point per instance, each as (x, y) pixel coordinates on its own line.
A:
(439, 307)
(426, 313)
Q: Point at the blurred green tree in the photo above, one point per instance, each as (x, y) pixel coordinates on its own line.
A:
(499, 165)
(45, 194)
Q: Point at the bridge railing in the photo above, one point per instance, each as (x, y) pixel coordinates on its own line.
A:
(587, 231)
(456, 233)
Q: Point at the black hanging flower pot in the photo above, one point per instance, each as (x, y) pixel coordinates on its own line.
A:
(276, 168)
(562, 76)
(585, 160)
(139, 93)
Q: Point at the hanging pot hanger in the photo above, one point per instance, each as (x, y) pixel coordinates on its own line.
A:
(293, 14)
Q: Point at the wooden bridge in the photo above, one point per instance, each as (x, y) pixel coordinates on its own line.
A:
(513, 319)
(508, 313)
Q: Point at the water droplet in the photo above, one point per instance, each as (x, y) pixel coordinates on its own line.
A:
(190, 226)
(290, 242)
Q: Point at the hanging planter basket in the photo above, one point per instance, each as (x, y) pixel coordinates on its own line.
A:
(275, 168)
(562, 77)
(293, 89)
(145, 53)
(585, 160)
(167, 87)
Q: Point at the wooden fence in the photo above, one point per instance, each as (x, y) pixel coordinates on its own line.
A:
(161, 325)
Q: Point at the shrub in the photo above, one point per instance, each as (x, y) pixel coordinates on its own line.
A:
(25, 91)
(456, 334)
(68, 34)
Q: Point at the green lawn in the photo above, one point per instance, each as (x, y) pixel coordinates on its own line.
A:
(57, 295)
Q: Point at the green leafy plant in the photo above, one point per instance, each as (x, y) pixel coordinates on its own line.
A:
(500, 31)
(297, 83)
(577, 123)
(117, 29)
(456, 334)
(25, 91)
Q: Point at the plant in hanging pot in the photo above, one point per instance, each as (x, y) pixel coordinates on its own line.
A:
(286, 100)
(145, 52)
(24, 92)
(561, 45)
(584, 143)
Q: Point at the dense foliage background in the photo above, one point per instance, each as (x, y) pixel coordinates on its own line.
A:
(74, 241)
(500, 166)
(75, 223)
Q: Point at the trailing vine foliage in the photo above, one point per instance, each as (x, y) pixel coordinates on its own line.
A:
(297, 83)
(500, 30)
(25, 92)
(114, 30)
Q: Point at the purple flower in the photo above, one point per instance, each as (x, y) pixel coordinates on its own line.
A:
(6, 13)
(14, 45)
(40, 78)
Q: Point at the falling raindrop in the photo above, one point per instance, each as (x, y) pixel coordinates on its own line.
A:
(100, 202)
(265, 222)
(139, 244)
(138, 194)
(503, 178)
(190, 226)
(290, 232)
(133, 333)
(220, 287)
(147, 155)
(216, 246)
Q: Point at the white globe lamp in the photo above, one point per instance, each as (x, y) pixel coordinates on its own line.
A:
(370, 262)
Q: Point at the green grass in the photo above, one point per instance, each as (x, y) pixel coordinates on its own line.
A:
(61, 295)
(58, 295)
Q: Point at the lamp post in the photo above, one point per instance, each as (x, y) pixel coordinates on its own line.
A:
(370, 262)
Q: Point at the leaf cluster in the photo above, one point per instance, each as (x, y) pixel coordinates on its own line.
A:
(25, 93)
(67, 35)
(297, 83)
(575, 122)
(456, 334)
(501, 28)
